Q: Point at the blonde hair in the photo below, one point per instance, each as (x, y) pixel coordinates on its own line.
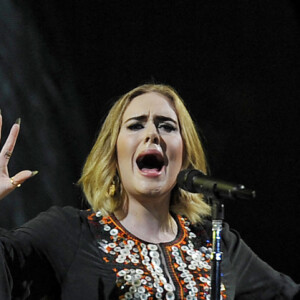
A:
(100, 169)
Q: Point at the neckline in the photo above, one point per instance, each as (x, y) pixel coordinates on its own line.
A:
(177, 239)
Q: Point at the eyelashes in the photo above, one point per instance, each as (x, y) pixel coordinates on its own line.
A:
(167, 127)
(135, 126)
(161, 127)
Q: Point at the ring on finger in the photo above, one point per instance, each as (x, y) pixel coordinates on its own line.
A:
(14, 183)
(8, 154)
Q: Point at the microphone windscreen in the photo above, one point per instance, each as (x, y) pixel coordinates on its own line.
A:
(185, 179)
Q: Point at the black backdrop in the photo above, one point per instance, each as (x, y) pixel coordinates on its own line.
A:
(236, 64)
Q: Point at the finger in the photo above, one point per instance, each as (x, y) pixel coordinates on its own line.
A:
(21, 177)
(10, 143)
(10, 184)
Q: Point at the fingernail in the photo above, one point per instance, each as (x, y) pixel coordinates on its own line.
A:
(33, 173)
(18, 121)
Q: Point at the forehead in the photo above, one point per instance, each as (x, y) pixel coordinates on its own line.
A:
(150, 104)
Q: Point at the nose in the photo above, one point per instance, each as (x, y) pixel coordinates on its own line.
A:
(152, 135)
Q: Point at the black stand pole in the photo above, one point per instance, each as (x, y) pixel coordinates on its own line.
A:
(194, 181)
(216, 258)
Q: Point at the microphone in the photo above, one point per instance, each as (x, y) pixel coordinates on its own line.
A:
(194, 181)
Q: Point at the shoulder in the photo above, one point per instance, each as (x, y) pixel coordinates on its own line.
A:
(244, 272)
(59, 224)
(54, 217)
(231, 240)
(228, 234)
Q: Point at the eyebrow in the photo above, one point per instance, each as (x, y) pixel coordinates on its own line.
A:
(144, 117)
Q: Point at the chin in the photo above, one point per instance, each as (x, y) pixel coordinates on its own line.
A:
(152, 191)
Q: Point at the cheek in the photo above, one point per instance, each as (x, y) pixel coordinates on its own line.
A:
(121, 150)
(176, 150)
(126, 146)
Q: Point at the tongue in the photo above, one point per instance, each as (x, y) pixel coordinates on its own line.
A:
(153, 171)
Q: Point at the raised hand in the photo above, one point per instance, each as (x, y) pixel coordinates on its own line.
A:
(7, 183)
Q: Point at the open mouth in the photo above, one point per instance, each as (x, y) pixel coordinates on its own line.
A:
(150, 161)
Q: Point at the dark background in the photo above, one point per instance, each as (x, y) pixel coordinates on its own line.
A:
(236, 64)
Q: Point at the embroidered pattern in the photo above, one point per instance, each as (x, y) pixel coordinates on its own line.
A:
(177, 270)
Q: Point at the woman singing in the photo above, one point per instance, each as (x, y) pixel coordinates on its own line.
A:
(143, 237)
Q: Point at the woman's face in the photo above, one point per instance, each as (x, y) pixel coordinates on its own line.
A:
(149, 146)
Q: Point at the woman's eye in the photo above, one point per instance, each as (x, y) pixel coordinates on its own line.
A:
(167, 127)
(135, 126)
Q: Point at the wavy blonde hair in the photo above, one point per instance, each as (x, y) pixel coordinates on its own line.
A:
(100, 169)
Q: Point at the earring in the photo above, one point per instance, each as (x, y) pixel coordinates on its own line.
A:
(112, 189)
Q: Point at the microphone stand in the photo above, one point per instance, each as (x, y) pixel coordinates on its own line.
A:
(194, 181)
(217, 200)
(216, 255)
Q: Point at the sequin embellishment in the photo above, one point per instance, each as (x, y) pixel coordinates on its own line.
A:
(169, 271)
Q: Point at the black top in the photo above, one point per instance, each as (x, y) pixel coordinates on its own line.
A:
(73, 254)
